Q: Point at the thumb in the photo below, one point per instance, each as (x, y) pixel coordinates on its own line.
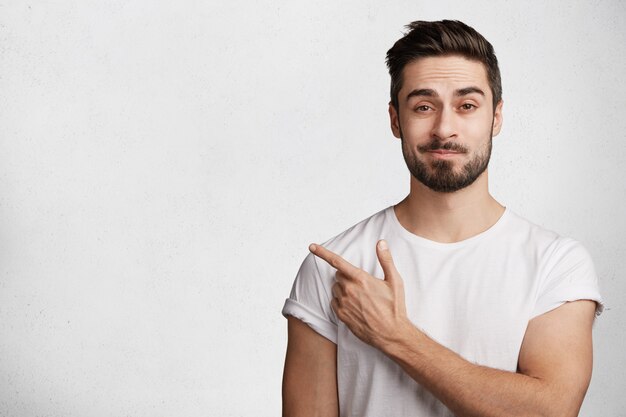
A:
(386, 261)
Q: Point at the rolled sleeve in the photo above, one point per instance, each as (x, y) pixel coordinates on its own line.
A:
(310, 297)
(570, 276)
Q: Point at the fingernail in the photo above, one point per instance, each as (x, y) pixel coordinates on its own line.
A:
(382, 245)
(312, 247)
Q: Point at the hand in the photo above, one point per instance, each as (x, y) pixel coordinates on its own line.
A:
(373, 309)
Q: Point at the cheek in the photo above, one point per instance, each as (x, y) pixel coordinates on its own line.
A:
(478, 129)
(480, 133)
(416, 130)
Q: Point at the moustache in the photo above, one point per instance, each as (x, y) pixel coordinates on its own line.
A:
(447, 146)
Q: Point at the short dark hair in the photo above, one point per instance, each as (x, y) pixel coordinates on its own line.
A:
(442, 38)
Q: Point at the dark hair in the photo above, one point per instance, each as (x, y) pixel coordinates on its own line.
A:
(445, 37)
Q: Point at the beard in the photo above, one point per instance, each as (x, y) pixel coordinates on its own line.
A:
(440, 175)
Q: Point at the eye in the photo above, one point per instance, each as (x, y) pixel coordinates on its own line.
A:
(467, 106)
(423, 108)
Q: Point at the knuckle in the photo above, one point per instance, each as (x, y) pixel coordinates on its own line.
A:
(336, 306)
(336, 290)
(360, 276)
(348, 291)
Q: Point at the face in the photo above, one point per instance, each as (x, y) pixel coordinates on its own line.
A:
(445, 120)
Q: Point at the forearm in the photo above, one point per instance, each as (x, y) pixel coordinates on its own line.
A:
(469, 389)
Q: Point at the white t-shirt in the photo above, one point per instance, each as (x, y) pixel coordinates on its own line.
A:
(475, 297)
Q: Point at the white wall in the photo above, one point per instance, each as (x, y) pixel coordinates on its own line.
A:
(164, 165)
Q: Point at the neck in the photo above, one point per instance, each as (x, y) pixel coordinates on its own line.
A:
(449, 217)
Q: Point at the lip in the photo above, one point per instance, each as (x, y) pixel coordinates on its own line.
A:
(442, 153)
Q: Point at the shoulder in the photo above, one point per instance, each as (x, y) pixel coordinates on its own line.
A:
(312, 289)
(545, 245)
(552, 245)
(531, 233)
(565, 269)
(363, 233)
(357, 244)
(351, 244)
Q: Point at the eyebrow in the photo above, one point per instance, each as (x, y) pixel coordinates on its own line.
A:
(468, 90)
(422, 92)
(428, 92)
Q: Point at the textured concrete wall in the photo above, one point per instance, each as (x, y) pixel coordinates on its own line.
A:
(163, 166)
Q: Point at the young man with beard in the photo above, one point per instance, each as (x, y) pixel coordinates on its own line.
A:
(447, 303)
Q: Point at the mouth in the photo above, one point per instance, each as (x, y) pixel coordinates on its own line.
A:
(440, 150)
(443, 153)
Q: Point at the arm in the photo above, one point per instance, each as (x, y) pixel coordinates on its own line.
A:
(554, 363)
(310, 375)
(554, 368)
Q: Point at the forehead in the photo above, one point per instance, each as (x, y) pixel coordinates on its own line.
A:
(444, 73)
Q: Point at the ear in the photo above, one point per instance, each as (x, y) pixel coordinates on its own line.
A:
(497, 119)
(394, 119)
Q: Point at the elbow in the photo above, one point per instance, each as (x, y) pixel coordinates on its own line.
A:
(555, 401)
(563, 403)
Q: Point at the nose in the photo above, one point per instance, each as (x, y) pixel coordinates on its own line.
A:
(444, 126)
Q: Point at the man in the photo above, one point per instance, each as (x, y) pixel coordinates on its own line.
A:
(447, 303)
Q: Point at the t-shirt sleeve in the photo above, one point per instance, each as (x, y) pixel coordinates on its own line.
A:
(569, 275)
(310, 298)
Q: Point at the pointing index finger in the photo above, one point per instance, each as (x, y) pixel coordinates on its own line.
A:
(334, 260)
